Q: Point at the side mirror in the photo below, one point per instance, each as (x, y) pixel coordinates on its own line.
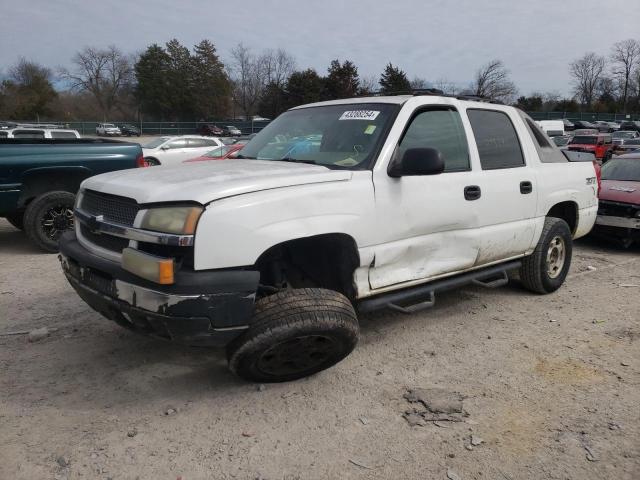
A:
(164, 147)
(417, 161)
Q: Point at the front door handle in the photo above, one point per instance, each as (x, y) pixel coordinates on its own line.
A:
(472, 192)
(526, 187)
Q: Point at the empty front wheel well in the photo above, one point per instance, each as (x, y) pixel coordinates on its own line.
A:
(320, 261)
(567, 211)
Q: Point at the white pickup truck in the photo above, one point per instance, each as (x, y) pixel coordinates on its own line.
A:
(334, 208)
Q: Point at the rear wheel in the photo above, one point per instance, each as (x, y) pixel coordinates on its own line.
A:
(545, 270)
(294, 334)
(47, 217)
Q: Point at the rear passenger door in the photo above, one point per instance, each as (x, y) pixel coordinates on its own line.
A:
(506, 187)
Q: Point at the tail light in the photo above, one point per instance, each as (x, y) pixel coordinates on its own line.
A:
(598, 170)
(141, 162)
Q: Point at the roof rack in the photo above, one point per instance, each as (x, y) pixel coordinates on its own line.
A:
(436, 93)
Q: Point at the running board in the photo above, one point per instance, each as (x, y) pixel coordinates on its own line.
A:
(414, 299)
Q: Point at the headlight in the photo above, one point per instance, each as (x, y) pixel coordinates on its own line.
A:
(178, 220)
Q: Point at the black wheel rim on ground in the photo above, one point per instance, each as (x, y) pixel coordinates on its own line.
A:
(297, 355)
(56, 220)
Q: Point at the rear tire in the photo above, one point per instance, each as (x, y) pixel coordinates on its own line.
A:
(16, 219)
(294, 334)
(545, 270)
(47, 217)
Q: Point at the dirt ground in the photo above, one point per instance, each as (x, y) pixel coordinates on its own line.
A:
(551, 387)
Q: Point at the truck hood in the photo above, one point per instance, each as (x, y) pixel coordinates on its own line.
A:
(619, 191)
(204, 182)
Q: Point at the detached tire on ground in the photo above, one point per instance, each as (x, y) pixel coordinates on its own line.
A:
(294, 334)
(545, 270)
(17, 220)
(47, 217)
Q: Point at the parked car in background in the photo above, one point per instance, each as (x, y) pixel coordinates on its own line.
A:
(619, 205)
(209, 130)
(562, 140)
(107, 130)
(578, 124)
(568, 125)
(231, 131)
(606, 127)
(630, 125)
(553, 128)
(129, 130)
(174, 150)
(630, 145)
(219, 153)
(621, 136)
(40, 177)
(600, 145)
(41, 133)
(335, 207)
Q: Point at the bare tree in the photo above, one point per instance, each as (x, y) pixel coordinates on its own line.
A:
(586, 73)
(277, 66)
(368, 85)
(248, 77)
(105, 73)
(446, 86)
(625, 57)
(492, 81)
(418, 83)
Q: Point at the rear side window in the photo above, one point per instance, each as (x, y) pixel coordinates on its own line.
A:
(498, 144)
(178, 143)
(538, 135)
(63, 135)
(28, 134)
(440, 129)
(199, 143)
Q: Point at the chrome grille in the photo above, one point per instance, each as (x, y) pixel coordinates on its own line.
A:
(113, 208)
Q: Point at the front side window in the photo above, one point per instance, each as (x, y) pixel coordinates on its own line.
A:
(335, 136)
(496, 138)
(441, 129)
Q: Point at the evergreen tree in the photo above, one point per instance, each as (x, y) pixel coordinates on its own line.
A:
(212, 88)
(304, 87)
(152, 88)
(342, 80)
(394, 80)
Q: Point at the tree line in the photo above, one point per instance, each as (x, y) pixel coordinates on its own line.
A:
(171, 82)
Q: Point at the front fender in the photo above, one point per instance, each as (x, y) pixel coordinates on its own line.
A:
(235, 231)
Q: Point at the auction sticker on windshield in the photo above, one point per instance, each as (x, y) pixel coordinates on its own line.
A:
(359, 115)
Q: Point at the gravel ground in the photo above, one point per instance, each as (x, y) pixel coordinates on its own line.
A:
(551, 386)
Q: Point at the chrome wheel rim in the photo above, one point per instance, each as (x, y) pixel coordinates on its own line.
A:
(556, 255)
(56, 220)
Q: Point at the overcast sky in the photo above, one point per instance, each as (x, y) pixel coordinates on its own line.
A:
(431, 39)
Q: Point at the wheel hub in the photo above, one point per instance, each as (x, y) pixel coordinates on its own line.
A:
(56, 220)
(556, 255)
(296, 355)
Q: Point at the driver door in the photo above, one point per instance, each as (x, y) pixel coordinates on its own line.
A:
(426, 223)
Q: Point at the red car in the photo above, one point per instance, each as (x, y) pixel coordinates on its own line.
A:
(619, 207)
(600, 144)
(210, 130)
(220, 153)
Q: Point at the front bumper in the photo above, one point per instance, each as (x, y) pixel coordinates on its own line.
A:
(208, 308)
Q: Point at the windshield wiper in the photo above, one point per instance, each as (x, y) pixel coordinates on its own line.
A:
(296, 160)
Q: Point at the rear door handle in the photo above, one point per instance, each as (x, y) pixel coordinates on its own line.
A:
(526, 187)
(472, 192)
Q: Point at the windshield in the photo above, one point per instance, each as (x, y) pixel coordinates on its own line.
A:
(623, 134)
(335, 136)
(156, 143)
(584, 140)
(560, 141)
(622, 169)
(109, 125)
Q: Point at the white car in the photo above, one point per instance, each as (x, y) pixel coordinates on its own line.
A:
(335, 208)
(27, 132)
(174, 150)
(108, 129)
